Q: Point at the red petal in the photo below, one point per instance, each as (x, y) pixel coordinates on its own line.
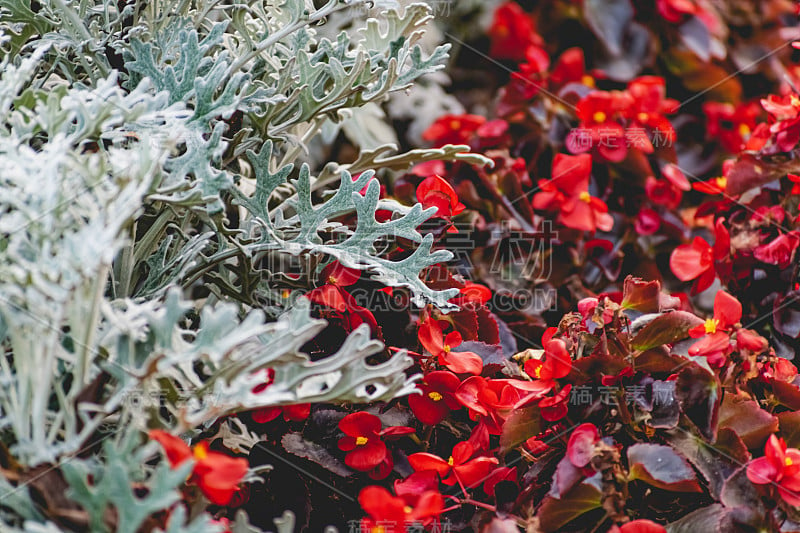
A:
(711, 344)
(176, 450)
(360, 424)
(428, 461)
(329, 296)
(430, 505)
(430, 336)
(476, 471)
(337, 274)
(462, 362)
(642, 526)
(580, 447)
(218, 476)
(570, 173)
(268, 414)
(558, 362)
(367, 456)
(468, 394)
(727, 309)
(426, 410)
(381, 505)
(689, 261)
(760, 471)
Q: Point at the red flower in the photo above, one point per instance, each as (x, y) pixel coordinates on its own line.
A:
(570, 68)
(778, 251)
(731, 125)
(218, 475)
(599, 112)
(460, 467)
(556, 365)
(696, 260)
(512, 32)
(786, 112)
(649, 104)
(780, 467)
(489, 400)
(568, 192)
(432, 339)
(453, 129)
(363, 442)
(335, 277)
(387, 511)
(437, 399)
(715, 343)
(580, 447)
(437, 192)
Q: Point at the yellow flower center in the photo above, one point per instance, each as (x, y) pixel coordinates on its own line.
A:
(794, 100)
(200, 452)
(788, 461)
(407, 509)
(455, 124)
(331, 280)
(585, 196)
(599, 116)
(360, 441)
(744, 130)
(450, 461)
(722, 182)
(286, 293)
(538, 372)
(446, 348)
(587, 80)
(378, 529)
(435, 396)
(642, 117)
(711, 325)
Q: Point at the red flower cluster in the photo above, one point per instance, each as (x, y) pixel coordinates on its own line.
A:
(218, 475)
(567, 191)
(611, 121)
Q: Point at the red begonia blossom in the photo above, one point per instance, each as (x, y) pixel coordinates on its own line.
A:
(461, 467)
(512, 32)
(779, 468)
(714, 333)
(218, 475)
(440, 346)
(363, 440)
(437, 399)
(435, 191)
(568, 192)
(453, 129)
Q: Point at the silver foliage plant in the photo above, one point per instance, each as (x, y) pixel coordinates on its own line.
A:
(128, 131)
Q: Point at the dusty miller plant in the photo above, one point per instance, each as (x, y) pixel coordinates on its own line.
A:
(131, 133)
